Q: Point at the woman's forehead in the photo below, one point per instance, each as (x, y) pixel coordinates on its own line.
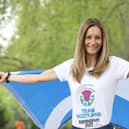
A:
(94, 30)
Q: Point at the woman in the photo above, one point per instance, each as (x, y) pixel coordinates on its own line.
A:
(92, 76)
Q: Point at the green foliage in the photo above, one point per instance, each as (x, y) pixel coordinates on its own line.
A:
(6, 115)
(47, 31)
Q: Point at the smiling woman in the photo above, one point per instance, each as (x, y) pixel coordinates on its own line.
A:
(93, 41)
(91, 50)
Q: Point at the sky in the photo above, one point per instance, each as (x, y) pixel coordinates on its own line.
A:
(7, 29)
(7, 33)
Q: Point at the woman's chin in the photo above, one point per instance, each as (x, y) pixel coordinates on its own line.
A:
(92, 53)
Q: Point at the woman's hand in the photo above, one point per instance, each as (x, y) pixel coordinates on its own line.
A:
(3, 76)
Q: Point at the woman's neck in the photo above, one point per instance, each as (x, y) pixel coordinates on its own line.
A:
(90, 61)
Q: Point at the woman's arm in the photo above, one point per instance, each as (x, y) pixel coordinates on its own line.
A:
(30, 78)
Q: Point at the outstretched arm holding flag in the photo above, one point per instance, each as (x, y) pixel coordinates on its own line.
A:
(92, 76)
(48, 75)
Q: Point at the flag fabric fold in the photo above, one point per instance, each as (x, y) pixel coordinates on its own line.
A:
(120, 115)
(49, 103)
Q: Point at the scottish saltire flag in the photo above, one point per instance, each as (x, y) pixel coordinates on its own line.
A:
(49, 103)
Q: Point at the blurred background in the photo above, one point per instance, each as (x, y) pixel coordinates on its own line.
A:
(39, 34)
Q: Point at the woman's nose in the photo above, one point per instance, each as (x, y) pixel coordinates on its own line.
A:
(93, 40)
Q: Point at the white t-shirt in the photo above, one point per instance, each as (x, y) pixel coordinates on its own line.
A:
(92, 99)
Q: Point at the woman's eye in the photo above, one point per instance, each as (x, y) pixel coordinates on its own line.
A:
(88, 37)
(98, 37)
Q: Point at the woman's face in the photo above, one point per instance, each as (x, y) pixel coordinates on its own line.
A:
(93, 40)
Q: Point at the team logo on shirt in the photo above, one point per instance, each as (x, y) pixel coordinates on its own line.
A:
(87, 97)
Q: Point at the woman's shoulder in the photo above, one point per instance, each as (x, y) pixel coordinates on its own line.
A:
(69, 60)
(67, 63)
(116, 59)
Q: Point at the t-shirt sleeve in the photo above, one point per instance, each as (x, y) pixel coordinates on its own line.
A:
(63, 70)
(121, 68)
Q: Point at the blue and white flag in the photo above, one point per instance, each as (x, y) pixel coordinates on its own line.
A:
(49, 103)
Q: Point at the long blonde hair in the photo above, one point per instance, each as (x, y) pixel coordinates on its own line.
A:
(79, 63)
